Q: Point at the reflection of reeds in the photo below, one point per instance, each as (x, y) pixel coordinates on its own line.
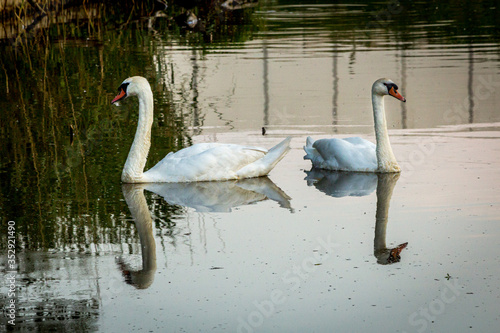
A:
(34, 155)
(66, 195)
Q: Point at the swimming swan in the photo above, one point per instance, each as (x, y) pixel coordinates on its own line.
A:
(357, 154)
(200, 162)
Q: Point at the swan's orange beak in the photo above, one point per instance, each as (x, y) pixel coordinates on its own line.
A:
(122, 94)
(394, 93)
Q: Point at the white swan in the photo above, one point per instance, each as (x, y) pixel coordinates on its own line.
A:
(200, 162)
(357, 154)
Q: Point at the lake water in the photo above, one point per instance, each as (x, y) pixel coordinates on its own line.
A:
(298, 251)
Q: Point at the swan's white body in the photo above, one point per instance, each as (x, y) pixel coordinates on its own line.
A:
(357, 154)
(200, 162)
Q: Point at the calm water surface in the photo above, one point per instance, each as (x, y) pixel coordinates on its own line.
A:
(298, 251)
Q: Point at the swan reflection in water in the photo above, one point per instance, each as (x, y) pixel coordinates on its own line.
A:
(341, 184)
(138, 206)
(203, 197)
(220, 196)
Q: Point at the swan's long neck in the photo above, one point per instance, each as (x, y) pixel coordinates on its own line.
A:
(138, 154)
(385, 157)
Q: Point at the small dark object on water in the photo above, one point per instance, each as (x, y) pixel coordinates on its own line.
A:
(263, 131)
(216, 267)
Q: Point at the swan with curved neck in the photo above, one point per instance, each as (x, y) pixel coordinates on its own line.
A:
(200, 162)
(357, 154)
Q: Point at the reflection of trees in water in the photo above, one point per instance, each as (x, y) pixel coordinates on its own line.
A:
(64, 289)
(60, 175)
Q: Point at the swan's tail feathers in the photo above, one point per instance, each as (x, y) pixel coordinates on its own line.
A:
(311, 152)
(263, 166)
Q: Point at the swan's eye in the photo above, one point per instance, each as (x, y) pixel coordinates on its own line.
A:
(123, 87)
(391, 85)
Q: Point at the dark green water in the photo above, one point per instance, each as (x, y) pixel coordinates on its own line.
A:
(293, 67)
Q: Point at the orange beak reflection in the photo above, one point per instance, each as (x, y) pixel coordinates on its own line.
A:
(118, 97)
(394, 254)
(394, 93)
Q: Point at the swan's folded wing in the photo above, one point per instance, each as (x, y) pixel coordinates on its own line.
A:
(207, 162)
(350, 154)
(192, 150)
(360, 143)
(328, 149)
